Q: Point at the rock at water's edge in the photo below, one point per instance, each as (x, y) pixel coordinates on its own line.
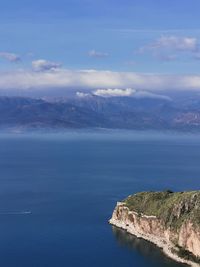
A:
(170, 220)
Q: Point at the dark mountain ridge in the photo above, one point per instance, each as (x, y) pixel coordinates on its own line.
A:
(94, 111)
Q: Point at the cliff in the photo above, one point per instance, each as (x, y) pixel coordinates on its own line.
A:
(170, 220)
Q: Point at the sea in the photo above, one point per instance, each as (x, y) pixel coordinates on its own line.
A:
(58, 191)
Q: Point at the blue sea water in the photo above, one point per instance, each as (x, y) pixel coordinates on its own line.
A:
(58, 190)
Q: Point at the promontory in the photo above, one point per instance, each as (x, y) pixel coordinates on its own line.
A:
(169, 220)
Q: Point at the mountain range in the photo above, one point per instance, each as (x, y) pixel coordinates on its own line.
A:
(93, 111)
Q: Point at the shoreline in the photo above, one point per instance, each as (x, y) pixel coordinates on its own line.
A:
(166, 247)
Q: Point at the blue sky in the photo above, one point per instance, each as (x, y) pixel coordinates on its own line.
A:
(139, 36)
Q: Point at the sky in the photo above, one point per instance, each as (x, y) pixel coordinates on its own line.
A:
(99, 44)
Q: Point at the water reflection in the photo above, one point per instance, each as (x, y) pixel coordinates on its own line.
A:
(148, 250)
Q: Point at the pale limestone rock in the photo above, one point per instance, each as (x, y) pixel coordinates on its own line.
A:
(155, 231)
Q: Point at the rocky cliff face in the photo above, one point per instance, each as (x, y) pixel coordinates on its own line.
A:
(170, 220)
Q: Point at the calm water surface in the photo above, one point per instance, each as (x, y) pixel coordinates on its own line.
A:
(57, 192)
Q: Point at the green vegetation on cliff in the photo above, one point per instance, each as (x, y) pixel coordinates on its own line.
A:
(172, 208)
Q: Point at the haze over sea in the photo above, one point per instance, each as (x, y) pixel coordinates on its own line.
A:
(58, 190)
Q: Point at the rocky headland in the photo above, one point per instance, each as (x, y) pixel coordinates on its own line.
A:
(169, 220)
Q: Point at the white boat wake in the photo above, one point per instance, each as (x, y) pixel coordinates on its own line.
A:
(16, 213)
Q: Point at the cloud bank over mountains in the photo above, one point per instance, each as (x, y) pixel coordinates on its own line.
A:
(128, 92)
(95, 79)
(49, 75)
(114, 92)
(63, 80)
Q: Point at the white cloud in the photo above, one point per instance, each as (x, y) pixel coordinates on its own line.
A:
(129, 92)
(97, 54)
(114, 92)
(11, 57)
(174, 43)
(168, 47)
(82, 94)
(177, 43)
(45, 65)
(92, 79)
